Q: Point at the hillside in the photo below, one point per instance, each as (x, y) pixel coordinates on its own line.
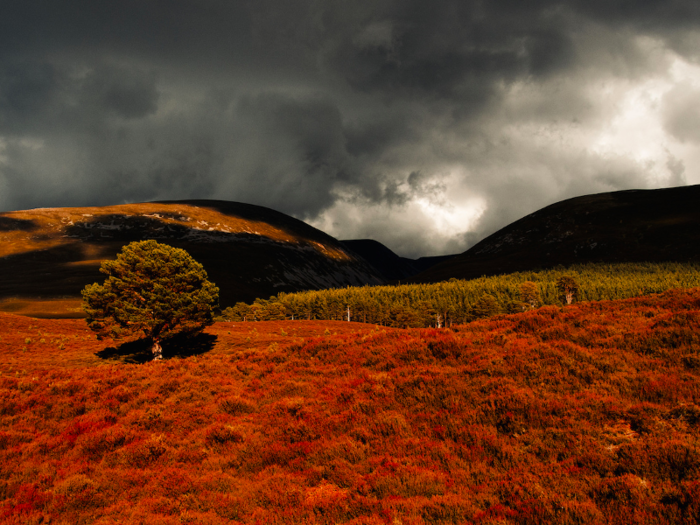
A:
(585, 414)
(48, 255)
(624, 226)
(391, 266)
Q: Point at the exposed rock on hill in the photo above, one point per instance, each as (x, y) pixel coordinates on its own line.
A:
(248, 251)
(624, 226)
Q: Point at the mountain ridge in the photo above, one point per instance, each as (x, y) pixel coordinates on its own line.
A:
(659, 225)
(392, 266)
(47, 255)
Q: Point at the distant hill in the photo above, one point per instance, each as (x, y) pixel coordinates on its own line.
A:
(48, 255)
(391, 266)
(623, 226)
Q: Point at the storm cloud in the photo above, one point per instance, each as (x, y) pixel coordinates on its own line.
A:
(426, 126)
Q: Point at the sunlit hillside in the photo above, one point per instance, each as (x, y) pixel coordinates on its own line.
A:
(48, 255)
(583, 414)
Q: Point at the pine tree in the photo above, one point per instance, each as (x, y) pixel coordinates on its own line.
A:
(486, 306)
(529, 294)
(152, 290)
(568, 288)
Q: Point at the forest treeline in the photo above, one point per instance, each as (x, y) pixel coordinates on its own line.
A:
(461, 301)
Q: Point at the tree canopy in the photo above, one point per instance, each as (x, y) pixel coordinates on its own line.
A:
(458, 301)
(152, 290)
(568, 288)
(529, 295)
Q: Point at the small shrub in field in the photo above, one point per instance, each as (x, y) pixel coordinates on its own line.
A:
(688, 412)
(150, 419)
(97, 444)
(407, 482)
(79, 491)
(142, 454)
(219, 434)
(326, 498)
(345, 449)
(626, 491)
(236, 406)
(390, 424)
(445, 347)
(691, 361)
(299, 432)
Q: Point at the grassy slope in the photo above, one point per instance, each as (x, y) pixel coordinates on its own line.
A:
(587, 414)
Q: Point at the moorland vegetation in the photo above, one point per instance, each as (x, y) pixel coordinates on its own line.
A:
(581, 414)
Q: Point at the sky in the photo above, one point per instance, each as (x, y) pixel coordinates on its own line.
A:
(424, 125)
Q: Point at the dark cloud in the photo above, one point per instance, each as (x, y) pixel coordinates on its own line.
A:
(425, 125)
(28, 95)
(38, 97)
(126, 94)
(643, 14)
(164, 32)
(289, 153)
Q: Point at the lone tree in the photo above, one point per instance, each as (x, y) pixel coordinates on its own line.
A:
(568, 288)
(152, 290)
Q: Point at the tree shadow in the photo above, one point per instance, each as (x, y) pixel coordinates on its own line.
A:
(139, 352)
(188, 346)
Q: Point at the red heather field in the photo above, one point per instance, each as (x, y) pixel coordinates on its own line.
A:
(586, 415)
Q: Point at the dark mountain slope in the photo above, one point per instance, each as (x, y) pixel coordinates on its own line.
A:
(248, 251)
(390, 265)
(624, 226)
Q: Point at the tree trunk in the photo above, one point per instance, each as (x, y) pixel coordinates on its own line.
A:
(157, 350)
